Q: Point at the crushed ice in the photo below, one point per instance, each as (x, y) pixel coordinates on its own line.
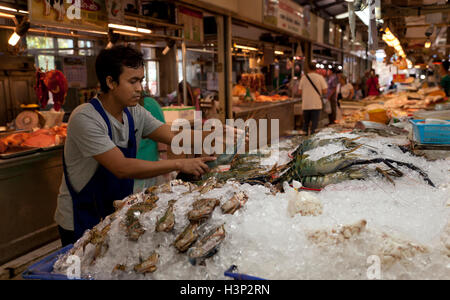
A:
(407, 228)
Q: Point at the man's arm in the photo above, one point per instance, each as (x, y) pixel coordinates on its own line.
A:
(163, 135)
(123, 167)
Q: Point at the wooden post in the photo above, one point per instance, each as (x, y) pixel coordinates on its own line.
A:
(183, 50)
(222, 66)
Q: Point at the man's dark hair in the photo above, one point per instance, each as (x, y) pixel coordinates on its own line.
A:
(446, 65)
(312, 67)
(110, 62)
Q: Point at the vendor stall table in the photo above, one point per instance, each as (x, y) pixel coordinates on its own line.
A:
(29, 186)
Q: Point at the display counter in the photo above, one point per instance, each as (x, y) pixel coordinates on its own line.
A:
(29, 188)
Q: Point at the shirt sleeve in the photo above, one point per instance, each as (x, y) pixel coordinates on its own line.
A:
(150, 123)
(324, 84)
(90, 135)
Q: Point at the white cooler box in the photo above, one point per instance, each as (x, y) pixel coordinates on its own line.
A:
(179, 112)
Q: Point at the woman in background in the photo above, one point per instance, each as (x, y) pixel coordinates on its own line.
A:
(445, 80)
(372, 85)
(148, 149)
(346, 89)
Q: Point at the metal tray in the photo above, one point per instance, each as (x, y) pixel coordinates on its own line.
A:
(53, 148)
(15, 153)
(10, 132)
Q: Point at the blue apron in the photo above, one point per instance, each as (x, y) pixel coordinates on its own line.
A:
(95, 201)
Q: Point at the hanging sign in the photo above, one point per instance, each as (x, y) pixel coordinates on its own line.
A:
(284, 14)
(115, 11)
(75, 70)
(193, 24)
(73, 14)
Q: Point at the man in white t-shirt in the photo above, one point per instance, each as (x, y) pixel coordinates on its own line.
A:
(311, 88)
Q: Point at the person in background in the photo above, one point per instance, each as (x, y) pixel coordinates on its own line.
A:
(148, 149)
(363, 84)
(358, 92)
(332, 83)
(284, 89)
(445, 80)
(393, 86)
(312, 97)
(372, 84)
(239, 89)
(345, 90)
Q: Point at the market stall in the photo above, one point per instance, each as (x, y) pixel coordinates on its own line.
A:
(359, 209)
(264, 76)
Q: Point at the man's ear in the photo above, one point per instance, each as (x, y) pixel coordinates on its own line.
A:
(111, 83)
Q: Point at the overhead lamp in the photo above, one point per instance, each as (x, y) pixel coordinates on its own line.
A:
(279, 52)
(8, 8)
(130, 28)
(428, 44)
(395, 43)
(170, 44)
(398, 47)
(144, 30)
(317, 66)
(14, 39)
(123, 27)
(22, 26)
(330, 67)
(340, 67)
(245, 47)
(3, 15)
(342, 16)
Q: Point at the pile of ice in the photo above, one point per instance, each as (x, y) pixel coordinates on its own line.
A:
(366, 229)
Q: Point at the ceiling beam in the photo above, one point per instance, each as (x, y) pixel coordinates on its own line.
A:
(317, 9)
(338, 2)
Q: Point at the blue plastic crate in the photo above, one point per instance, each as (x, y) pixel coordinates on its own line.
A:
(431, 133)
(43, 269)
(236, 276)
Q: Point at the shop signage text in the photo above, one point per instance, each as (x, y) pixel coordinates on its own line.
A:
(284, 14)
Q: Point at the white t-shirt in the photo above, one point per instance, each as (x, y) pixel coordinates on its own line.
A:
(310, 99)
(87, 136)
(346, 90)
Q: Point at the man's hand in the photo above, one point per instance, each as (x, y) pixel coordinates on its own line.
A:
(194, 166)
